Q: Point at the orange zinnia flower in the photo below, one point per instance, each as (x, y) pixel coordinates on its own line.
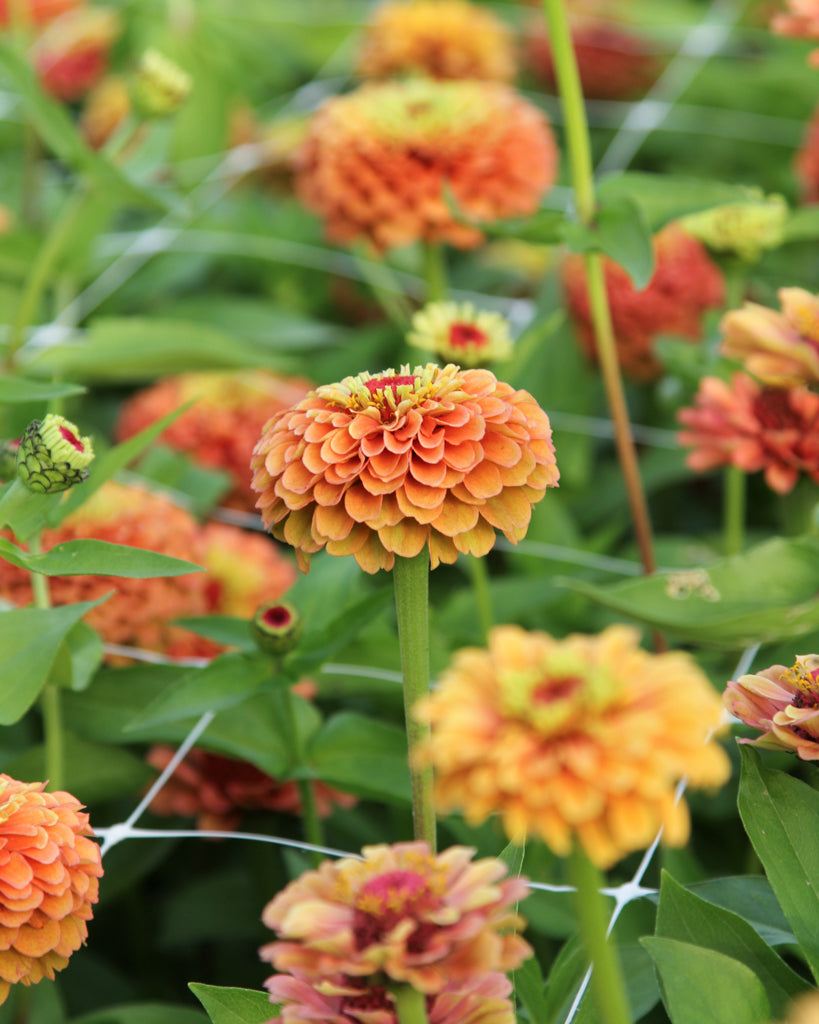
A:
(219, 430)
(39, 11)
(402, 913)
(386, 162)
(684, 285)
(105, 109)
(800, 20)
(49, 878)
(378, 466)
(440, 38)
(585, 737)
(71, 55)
(754, 428)
(781, 703)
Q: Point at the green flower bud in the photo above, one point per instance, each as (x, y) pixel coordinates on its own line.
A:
(159, 87)
(52, 456)
(745, 229)
(276, 627)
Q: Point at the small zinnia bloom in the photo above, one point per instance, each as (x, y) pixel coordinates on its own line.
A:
(752, 427)
(779, 349)
(581, 738)
(684, 285)
(218, 790)
(71, 55)
(105, 109)
(381, 163)
(221, 427)
(49, 878)
(380, 465)
(457, 331)
(782, 704)
(801, 20)
(439, 38)
(341, 1000)
(401, 912)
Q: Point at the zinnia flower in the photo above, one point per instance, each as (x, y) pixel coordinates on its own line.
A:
(71, 55)
(782, 704)
(38, 11)
(807, 161)
(747, 425)
(223, 424)
(49, 878)
(456, 330)
(581, 738)
(381, 465)
(439, 38)
(341, 1000)
(106, 108)
(800, 20)
(779, 349)
(684, 285)
(402, 913)
(218, 789)
(387, 161)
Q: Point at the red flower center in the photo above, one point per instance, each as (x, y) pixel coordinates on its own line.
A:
(376, 384)
(773, 410)
(278, 616)
(71, 437)
(384, 901)
(461, 335)
(557, 688)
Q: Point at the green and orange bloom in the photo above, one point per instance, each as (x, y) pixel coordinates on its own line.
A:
(582, 739)
(401, 913)
(782, 704)
(382, 464)
(52, 456)
(49, 880)
(457, 331)
(439, 38)
(387, 162)
(781, 349)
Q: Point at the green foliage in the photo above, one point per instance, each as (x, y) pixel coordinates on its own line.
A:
(233, 1005)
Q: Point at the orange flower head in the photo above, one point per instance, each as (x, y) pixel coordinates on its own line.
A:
(402, 913)
(343, 1000)
(782, 704)
(40, 12)
(456, 330)
(218, 790)
(106, 108)
(684, 285)
(388, 161)
(753, 427)
(71, 55)
(779, 349)
(380, 465)
(801, 20)
(444, 39)
(49, 879)
(584, 738)
(244, 570)
(222, 426)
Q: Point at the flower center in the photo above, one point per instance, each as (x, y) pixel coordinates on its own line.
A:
(378, 386)
(556, 688)
(462, 335)
(773, 410)
(359, 1007)
(71, 437)
(806, 680)
(278, 616)
(387, 899)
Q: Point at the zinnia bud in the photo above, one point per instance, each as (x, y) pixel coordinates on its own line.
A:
(160, 87)
(52, 456)
(277, 627)
(745, 229)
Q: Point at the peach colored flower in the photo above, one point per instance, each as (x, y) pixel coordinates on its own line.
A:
(782, 704)
(804, 1010)
(387, 161)
(217, 790)
(800, 20)
(581, 738)
(383, 464)
(341, 1000)
(685, 284)
(39, 11)
(456, 330)
(71, 54)
(439, 38)
(747, 425)
(779, 349)
(402, 913)
(106, 108)
(221, 427)
(49, 878)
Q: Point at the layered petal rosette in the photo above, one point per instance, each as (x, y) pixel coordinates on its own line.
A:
(380, 465)
(579, 739)
(401, 913)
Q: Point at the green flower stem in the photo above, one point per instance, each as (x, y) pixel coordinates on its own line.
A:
(50, 698)
(733, 509)
(483, 596)
(311, 822)
(607, 985)
(580, 166)
(435, 271)
(411, 582)
(410, 1005)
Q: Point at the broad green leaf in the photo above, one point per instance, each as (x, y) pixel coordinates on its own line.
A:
(622, 232)
(143, 1013)
(233, 1005)
(781, 817)
(222, 629)
(202, 487)
(686, 917)
(26, 512)
(529, 990)
(362, 755)
(752, 898)
(702, 985)
(512, 856)
(30, 639)
(21, 389)
(766, 594)
(97, 558)
(79, 657)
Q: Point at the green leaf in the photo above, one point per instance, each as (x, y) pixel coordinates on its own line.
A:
(79, 658)
(233, 1005)
(30, 639)
(24, 511)
(21, 389)
(363, 756)
(529, 990)
(686, 917)
(703, 985)
(222, 629)
(802, 225)
(142, 1013)
(621, 231)
(97, 558)
(765, 594)
(781, 817)
(752, 898)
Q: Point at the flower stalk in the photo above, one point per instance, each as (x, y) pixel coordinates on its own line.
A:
(410, 1005)
(733, 509)
(311, 822)
(50, 698)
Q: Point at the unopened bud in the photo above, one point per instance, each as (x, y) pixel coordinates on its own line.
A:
(277, 627)
(160, 87)
(52, 456)
(745, 229)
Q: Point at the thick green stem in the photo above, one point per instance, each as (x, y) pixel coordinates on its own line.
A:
(410, 1005)
(435, 271)
(311, 822)
(607, 985)
(733, 509)
(483, 596)
(411, 582)
(50, 698)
